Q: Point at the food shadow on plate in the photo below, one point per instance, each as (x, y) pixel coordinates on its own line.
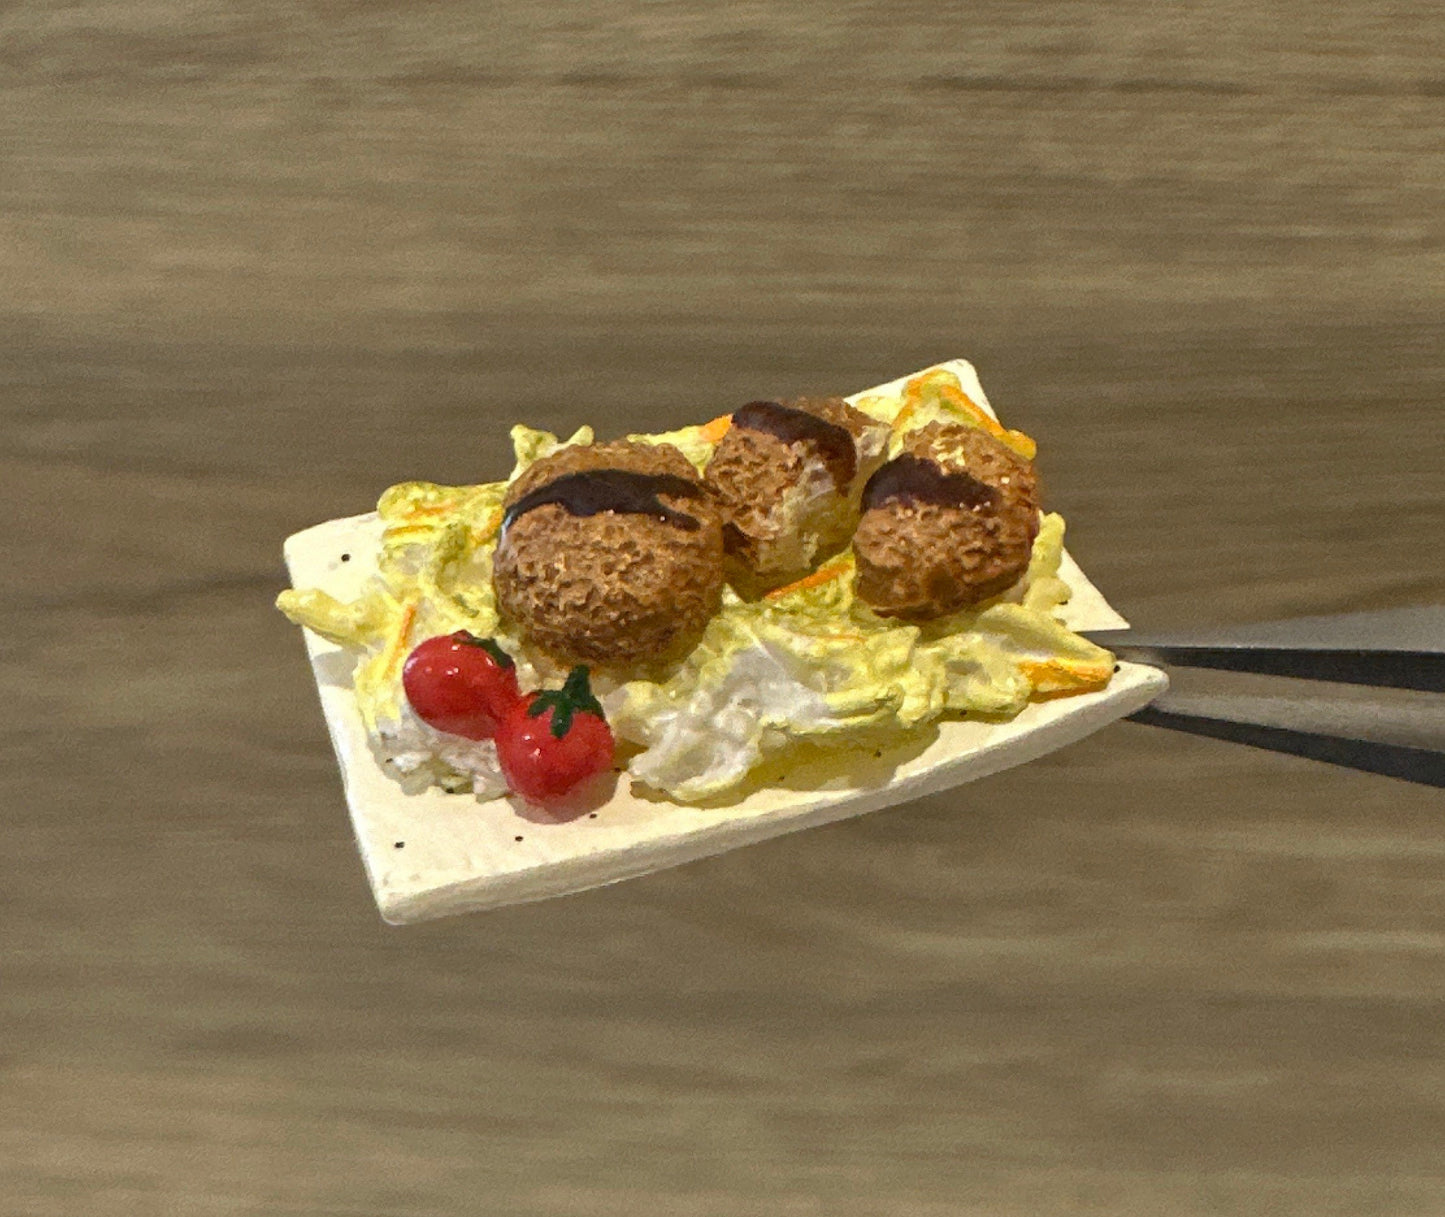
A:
(587, 799)
(336, 668)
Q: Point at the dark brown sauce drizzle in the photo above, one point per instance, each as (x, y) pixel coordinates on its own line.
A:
(621, 490)
(791, 425)
(921, 481)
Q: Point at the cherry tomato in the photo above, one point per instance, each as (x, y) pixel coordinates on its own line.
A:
(553, 740)
(461, 684)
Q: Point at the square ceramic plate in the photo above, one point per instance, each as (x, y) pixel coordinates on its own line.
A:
(431, 854)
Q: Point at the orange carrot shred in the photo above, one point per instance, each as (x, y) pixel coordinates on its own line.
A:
(1074, 677)
(824, 574)
(487, 528)
(714, 431)
(397, 647)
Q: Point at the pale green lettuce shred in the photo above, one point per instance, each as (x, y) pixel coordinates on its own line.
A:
(1036, 636)
(435, 571)
(347, 625)
(378, 689)
(882, 407)
(816, 664)
(690, 441)
(1044, 591)
(529, 444)
(454, 582)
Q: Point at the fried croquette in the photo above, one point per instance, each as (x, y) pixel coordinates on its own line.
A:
(949, 522)
(610, 553)
(788, 477)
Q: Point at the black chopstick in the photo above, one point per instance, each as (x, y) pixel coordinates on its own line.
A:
(1424, 766)
(1396, 649)
(1424, 670)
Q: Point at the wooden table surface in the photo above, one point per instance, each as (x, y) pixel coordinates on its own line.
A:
(261, 260)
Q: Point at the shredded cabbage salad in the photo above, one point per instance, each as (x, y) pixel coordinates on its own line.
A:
(805, 663)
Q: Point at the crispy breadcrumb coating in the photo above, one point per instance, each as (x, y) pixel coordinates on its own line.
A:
(789, 485)
(949, 522)
(610, 569)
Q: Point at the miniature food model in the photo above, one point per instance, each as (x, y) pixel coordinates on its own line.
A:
(788, 476)
(943, 603)
(552, 742)
(461, 684)
(949, 522)
(610, 553)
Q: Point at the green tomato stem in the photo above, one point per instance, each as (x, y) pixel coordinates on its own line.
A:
(573, 697)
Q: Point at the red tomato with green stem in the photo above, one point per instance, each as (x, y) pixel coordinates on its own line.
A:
(461, 684)
(555, 739)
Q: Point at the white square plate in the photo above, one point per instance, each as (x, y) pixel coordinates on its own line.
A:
(431, 854)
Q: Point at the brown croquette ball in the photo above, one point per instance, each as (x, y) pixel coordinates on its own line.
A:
(949, 522)
(788, 475)
(610, 553)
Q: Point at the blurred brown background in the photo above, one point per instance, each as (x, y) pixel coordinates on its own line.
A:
(261, 260)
